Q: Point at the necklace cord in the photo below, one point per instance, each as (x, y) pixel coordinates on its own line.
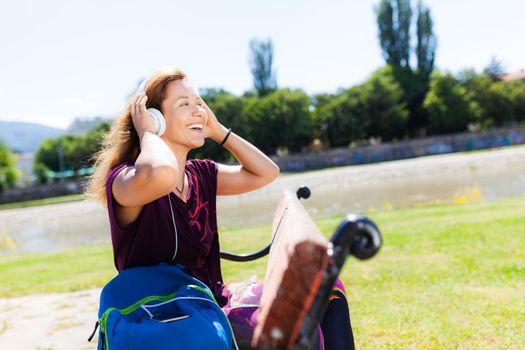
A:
(183, 184)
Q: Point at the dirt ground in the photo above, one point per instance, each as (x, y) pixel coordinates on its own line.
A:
(49, 322)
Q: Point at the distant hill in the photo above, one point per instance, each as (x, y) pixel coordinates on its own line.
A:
(26, 137)
(84, 125)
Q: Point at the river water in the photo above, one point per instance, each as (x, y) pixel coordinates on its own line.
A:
(353, 189)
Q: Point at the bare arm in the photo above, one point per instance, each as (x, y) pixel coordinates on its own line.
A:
(256, 169)
(154, 172)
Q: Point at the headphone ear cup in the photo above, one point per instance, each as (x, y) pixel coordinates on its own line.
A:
(160, 122)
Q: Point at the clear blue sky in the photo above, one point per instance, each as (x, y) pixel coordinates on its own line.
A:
(65, 59)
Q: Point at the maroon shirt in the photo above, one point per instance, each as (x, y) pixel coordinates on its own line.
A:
(150, 240)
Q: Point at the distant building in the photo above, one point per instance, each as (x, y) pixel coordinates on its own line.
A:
(24, 163)
(520, 75)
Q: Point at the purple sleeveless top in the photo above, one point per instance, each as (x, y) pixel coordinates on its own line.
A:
(150, 240)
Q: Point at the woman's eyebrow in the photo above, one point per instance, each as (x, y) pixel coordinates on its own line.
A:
(197, 98)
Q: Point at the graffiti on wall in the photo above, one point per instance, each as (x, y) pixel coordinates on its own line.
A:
(402, 150)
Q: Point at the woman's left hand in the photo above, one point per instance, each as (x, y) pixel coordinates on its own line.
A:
(213, 129)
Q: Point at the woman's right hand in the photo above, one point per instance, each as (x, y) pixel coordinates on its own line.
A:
(141, 120)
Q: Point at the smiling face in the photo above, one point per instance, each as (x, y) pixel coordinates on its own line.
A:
(185, 115)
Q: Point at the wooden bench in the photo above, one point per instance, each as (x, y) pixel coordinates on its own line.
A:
(302, 268)
(295, 267)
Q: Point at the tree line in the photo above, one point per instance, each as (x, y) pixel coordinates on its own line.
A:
(286, 120)
(398, 101)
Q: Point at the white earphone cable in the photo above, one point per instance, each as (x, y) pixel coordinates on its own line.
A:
(175, 227)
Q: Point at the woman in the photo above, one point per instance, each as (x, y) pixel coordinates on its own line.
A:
(162, 207)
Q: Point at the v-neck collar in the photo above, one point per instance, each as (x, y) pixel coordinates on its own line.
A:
(189, 193)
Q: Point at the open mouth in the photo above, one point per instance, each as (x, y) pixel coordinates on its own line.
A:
(196, 127)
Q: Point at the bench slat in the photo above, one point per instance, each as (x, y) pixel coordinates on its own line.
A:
(295, 268)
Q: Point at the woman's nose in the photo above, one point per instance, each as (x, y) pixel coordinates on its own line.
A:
(198, 109)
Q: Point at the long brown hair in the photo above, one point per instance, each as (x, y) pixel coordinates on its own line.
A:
(122, 143)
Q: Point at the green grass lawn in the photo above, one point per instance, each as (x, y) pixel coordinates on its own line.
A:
(448, 276)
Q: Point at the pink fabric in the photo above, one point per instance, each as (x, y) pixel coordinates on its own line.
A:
(243, 307)
(339, 285)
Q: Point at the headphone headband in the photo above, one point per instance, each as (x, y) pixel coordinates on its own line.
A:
(155, 114)
(142, 86)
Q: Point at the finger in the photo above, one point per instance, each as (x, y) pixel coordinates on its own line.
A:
(208, 110)
(136, 105)
(131, 104)
(142, 105)
(133, 98)
(134, 101)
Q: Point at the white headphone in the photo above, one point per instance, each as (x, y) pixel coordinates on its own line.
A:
(154, 113)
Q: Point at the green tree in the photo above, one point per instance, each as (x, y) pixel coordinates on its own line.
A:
(261, 62)
(394, 23)
(479, 89)
(338, 118)
(449, 106)
(500, 102)
(68, 152)
(494, 69)
(508, 103)
(41, 173)
(8, 171)
(88, 145)
(372, 109)
(383, 110)
(228, 109)
(49, 156)
(393, 19)
(281, 119)
(426, 42)
(515, 91)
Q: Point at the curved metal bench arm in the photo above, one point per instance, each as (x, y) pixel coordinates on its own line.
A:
(246, 257)
(302, 192)
(358, 235)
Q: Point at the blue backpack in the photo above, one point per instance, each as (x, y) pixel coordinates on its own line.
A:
(160, 307)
